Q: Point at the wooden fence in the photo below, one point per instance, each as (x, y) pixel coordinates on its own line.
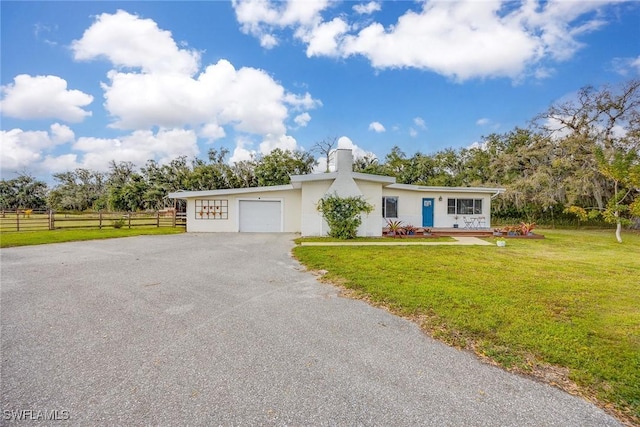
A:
(33, 220)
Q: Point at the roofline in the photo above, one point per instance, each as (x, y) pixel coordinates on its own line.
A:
(226, 191)
(333, 175)
(412, 187)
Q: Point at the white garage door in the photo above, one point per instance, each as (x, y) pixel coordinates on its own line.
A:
(260, 216)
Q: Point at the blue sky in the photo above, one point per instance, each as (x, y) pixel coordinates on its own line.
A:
(84, 83)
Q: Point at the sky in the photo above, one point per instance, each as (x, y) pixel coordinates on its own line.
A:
(87, 83)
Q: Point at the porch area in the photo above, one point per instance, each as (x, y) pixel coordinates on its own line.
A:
(441, 232)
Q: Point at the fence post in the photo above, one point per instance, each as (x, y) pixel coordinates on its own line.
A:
(129, 216)
(100, 220)
(17, 220)
(158, 219)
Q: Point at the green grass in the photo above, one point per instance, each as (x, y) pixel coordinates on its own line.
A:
(25, 238)
(571, 300)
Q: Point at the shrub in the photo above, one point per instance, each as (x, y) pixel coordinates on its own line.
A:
(118, 223)
(343, 214)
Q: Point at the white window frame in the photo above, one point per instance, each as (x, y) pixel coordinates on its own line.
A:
(472, 206)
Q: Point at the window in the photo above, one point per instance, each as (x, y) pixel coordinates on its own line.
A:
(464, 206)
(390, 207)
(212, 209)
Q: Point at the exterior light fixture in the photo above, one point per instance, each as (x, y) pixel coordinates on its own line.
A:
(440, 198)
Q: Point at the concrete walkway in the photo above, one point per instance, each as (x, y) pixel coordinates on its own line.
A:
(404, 242)
(228, 329)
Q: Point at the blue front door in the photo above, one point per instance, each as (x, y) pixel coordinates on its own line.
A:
(427, 212)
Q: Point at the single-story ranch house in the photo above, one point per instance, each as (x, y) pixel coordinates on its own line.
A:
(292, 208)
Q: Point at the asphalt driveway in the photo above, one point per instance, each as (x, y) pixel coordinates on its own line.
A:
(227, 329)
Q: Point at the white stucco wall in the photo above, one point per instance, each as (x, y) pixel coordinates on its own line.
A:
(372, 193)
(410, 207)
(312, 222)
(291, 202)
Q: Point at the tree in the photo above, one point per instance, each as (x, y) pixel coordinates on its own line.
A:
(599, 133)
(125, 187)
(77, 190)
(623, 168)
(325, 148)
(23, 192)
(368, 164)
(276, 167)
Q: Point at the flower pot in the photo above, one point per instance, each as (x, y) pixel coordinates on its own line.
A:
(455, 225)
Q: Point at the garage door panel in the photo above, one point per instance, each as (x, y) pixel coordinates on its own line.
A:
(260, 216)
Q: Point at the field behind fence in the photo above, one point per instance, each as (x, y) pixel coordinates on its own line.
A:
(32, 220)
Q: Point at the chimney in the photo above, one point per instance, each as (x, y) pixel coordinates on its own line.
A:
(344, 185)
(344, 160)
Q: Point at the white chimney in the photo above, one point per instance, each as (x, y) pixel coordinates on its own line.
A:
(344, 185)
(344, 160)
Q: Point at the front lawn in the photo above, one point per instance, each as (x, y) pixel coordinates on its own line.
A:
(565, 308)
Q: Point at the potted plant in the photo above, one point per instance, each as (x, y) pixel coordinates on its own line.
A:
(526, 229)
(455, 225)
(410, 230)
(395, 228)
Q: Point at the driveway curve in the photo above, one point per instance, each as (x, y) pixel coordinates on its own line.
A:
(228, 329)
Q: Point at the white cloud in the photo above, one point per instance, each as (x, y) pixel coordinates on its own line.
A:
(241, 153)
(129, 41)
(376, 127)
(303, 119)
(61, 134)
(284, 142)
(457, 39)
(268, 41)
(138, 147)
(21, 149)
(43, 97)
(168, 91)
(34, 150)
(626, 66)
(463, 39)
(413, 133)
(367, 8)
(483, 121)
(324, 38)
(419, 121)
(212, 131)
(260, 17)
(24, 149)
(247, 99)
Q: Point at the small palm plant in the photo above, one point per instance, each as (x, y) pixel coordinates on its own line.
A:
(395, 228)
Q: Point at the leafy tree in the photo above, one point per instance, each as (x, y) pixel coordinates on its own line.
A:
(368, 164)
(23, 192)
(77, 190)
(623, 168)
(276, 167)
(343, 214)
(243, 174)
(395, 163)
(598, 135)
